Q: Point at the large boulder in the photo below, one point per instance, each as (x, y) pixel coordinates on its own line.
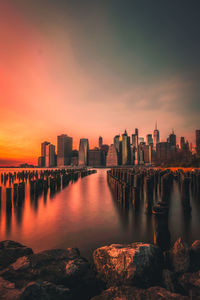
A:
(133, 293)
(137, 263)
(195, 255)
(190, 283)
(10, 251)
(180, 256)
(8, 290)
(57, 266)
(169, 280)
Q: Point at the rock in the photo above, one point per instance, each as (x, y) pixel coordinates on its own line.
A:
(195, 256)
(57, 266)
(45, 291)
(190, 282)
(10, 251)
(8, 290)
(169, 280)
(133, 293)
(180, 256)
(136, 263)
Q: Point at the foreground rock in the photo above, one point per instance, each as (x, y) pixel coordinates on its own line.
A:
(195, 256)
(137, 263)
(133, 293)
(180, 256)
(54, 272)
(190, 283)
(10, 251)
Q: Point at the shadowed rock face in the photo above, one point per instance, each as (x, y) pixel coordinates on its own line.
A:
(10, 251)
(135, 263)
(180, 256)
(195, 256)
(56, 273)
(133, 293)
(190, 282)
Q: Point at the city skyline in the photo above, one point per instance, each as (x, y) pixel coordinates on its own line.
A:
(94, 68)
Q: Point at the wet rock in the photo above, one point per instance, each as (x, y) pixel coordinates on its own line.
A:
(10, 251)
(169, 280)
(57, 266)
(8, 290)
(136, 263)
(180, 256)
(190, 282)
(45, 291)
(133, 293)
(195, 256)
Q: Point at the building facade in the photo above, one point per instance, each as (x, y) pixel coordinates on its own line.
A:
(83, 152)
(64, 150)
(112, 159)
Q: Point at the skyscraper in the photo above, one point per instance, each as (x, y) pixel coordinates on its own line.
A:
(126, 149)
(149, 139)
(198, 141)
(118, 146)
(64, 150)
(112, 159)
(50, 156)
(172, 139)
(43, 153)
(156, 136)
(83, 152)
(100, 142)
(135, 146)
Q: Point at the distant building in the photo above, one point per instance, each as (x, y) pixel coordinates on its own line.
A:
(83, 152)
(149, 139)
(43, 152)
(41, 162)
(172, 139)
(100, 142)
(104, 150)
(112, 159)
(64, 150)
(198, 141)
(118, 146)
(95, 157)
(50, 156)
(74, 158)
(135, 144)
(126, 150)
(147, 150)
(156, 136)
(162, 152)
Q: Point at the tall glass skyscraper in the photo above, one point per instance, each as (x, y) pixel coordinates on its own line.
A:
(64, 150)
(156, 136)
(83, 152)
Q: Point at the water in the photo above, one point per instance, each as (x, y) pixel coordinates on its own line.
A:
(86, 215)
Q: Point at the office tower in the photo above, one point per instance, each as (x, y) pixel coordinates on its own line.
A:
(41, 161)
(135, 146)
(140, 140)
(95, 157)
(100, 142)
(112, 159)
(182, 143)
(83, 152)
(147, 152)
(64, 150)
(149, 139)
(74, 158)
(50, 156)
(43, 152)
(126, 151)
(104, 150)
(118, 146)
(156, 136)
(172, 139)
(163, 151)
(198, 141)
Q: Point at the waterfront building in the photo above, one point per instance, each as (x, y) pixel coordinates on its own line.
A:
(126, 151)
(162, 152)
(112, 159)
(156, 136)
(41, 161)
(43, 152)
(118, 146)
(64, 150)
(172, 139)
(135, 146)
(149, 139)
(197, 141)
(95, 157)
(50, 156)
(100, 142)
(83, 152)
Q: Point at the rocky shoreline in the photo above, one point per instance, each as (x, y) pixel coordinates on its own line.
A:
(120, 271)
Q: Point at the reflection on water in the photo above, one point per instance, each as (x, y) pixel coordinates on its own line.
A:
(86, 215)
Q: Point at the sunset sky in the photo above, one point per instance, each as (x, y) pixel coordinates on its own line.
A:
(90, 68)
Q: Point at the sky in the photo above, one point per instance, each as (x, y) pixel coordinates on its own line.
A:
(90, 68)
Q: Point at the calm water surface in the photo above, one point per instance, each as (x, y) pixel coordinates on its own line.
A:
(86, 215)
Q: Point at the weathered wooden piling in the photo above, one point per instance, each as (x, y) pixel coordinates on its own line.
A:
(8, 199)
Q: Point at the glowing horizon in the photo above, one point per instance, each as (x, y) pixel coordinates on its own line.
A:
(86, 71)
